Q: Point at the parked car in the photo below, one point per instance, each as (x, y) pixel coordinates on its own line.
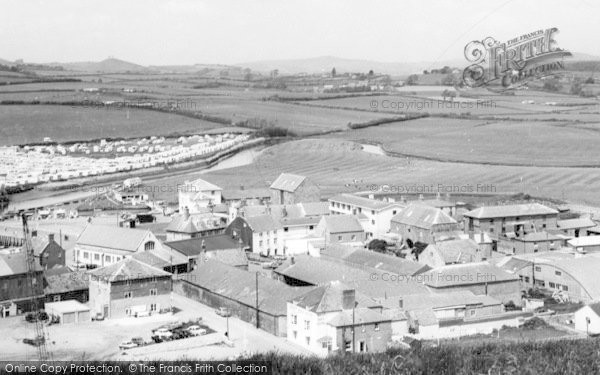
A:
(196, 330)
(138, 341)
(223, 311)
(127, 345)
(141, 314)
(180, 334)
(170, 326)
(98, 317)
(163, 333)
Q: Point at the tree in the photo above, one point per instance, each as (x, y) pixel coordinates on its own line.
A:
(371, 73)
(333, 72)
(425, 72)
(576, 87)
(590, 80)
(412, 79)
(377, 245)
(552, 84)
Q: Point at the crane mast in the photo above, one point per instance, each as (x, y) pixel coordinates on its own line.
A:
(35, 290)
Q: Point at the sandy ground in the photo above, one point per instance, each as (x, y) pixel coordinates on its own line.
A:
(100, 340)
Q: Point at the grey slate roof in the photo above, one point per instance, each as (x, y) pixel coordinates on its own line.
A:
(515, 210)
(112, 237)
(422, 216)
(288, 182)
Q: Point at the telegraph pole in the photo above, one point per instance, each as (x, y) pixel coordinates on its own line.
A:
(353, 330)
(257, 311)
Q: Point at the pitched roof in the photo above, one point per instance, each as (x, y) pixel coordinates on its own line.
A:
(240, 285)
(288, 182)
(595, 307)
(466, 274)
(329, 297)
(367, 203)
(512, 264)
(424, 317)
(456, 251)
(232, 257)
(181, 224)
(490, 212)
(200, 185)
(314, 208)
(15, 264)
(422, 216)
(342, 224)
(151, 259)
(584, 222)
(193, 246)
(263, 223)
(127, 269)
(369, 281)
(112, 237)
(358, 317)
(66, 282)
(367, 258)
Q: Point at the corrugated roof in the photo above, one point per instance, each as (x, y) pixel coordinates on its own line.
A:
(585, 222)
(422, 216)
(362, 202)
(515, 210)
(288, 182)
(112, 237)
(342, 224)
(328, 298)
(150, 259)
(232, 257)
(66, 282)
(466, 274)
(583, 269)
(439, 300)
(127, 269)
(240, 285)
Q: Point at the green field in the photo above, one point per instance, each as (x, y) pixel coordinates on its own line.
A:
(31, 123)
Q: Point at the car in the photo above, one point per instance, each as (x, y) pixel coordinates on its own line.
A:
(223, 311)
(196, 330)
(163, 333)
(170, 326)
(180, 334)
(98, 317)
(127, 345)
(138, 341)
(141, 314)
(280, 257)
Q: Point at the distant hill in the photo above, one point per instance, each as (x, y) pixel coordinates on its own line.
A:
(6, 62)
(110, 65)
(324, 64)
(584, 57)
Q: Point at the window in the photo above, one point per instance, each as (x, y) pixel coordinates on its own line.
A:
(376, 327)
(260, 234)
(153, 307)
(526, 279)
(538, 269)
(307, 324)
(295, 333)
(153, 292)
(311, 227)
(373, 222)
(294, 319)
(557, 273)
(362, 346)
(86, 255)
(339, 238)
(491, 230)
(149, 245)
(372, 212)
(472, 312)
(565, 288)
(260, 243)
(96, 256)
(353, 237)
(275, 241)
(108, 258)
(540, 283)
(127, 295)
(307, 340)
(394, 212)
(286, 229)
(552, 285)
(56, 298)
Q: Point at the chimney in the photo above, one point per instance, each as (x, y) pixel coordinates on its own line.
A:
(34, 233)
(186, 213)
(293, 260)
(51, 237)
(401, 303)
(348, 299)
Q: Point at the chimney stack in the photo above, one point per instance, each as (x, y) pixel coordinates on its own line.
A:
(293, 260)
(186, 213)
(51, 237)
(348, 299)
(401, 303)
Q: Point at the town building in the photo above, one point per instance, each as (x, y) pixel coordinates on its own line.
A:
(48, 251)
(198, 194)
(587, 319)
(101, 245)
(455, 251)
(129, 287)
(222, 248)
(16, 294)
(322, 320)
(69, 311)
(260, 234)
(291, 188)
(219, 285)
(532, 242)
(586, 244)
(186, 226)
(576, 227)
(341, 229)
(518, 218)
(62, 284)
(481, 278)
(378, 213)
(424, 224)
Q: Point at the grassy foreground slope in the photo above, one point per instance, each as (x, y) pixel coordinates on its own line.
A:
(556, 357)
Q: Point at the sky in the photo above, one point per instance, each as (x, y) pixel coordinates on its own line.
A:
(167, 32)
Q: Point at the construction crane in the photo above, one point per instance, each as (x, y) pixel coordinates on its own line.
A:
(35, 289)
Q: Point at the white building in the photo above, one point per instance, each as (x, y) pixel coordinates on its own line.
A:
(378, 213)
(587, 319)
(198, 194)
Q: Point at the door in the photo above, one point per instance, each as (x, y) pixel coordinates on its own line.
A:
(105, 312)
